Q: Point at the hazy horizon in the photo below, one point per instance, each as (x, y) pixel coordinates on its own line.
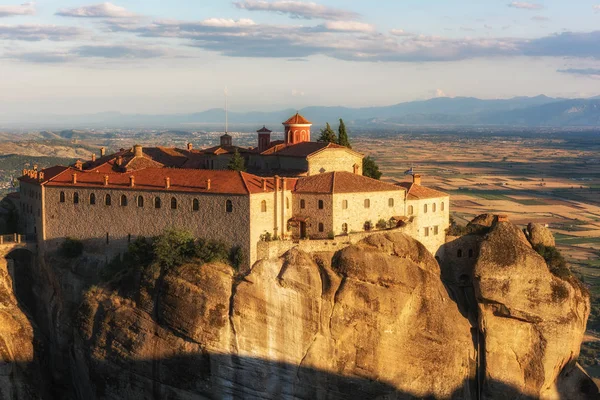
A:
(80, 57)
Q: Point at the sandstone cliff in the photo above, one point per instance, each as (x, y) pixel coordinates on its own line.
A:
(373, 321)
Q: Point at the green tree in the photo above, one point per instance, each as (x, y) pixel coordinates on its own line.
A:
(343, 135)
(173, 248)
(371, 169)
(237, 162)
(327, 135)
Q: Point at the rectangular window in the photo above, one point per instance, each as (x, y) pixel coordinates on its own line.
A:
(435, 230)
(426, 230)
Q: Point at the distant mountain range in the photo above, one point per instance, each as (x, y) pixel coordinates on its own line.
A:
(518, 111)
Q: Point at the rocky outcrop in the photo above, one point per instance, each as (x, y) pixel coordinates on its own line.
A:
(20, 375)
(375, 320)
(372, 321)
(532, 321)
(539, 234)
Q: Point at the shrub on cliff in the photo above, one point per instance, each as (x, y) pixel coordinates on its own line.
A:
(174, 247)
(71, 248)
(556, 262)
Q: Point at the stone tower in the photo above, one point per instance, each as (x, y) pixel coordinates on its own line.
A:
(264, 139)
(297, 130)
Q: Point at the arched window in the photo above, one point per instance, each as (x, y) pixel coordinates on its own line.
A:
(367, 203)
(62, 197)
(196, 205)
(321, 227)
(157, 202)
(140, 201)
(123, 200)
(411, 210)
(302, 204)
(75, 198)
(92, 199)
(391, 202)
(320, 204)
(434, 207)
(228, 206)
(344, 204)
(287, 203)
(263, 206)
(470, 253)
(442, 206)
(425, 208)
(107, 200)
(459, 253)
(345, 228)
(173, 203)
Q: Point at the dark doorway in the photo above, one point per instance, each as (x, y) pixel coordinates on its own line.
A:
(302, 230)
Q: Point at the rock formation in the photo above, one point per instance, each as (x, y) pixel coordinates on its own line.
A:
(372, 321)
(532, 321)
(539, 234)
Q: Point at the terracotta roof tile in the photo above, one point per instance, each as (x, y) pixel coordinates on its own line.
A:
(303, 149)
(418, 192)
(342, 182)
(181, 180)
(297, 119)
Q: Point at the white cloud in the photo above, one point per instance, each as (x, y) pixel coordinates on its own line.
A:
(400, 32)
(348, 26)
(103, 10)
(297, 9)
(525, 6)
(35, 33)
(227, 23)
(297, 93)
(540, 18)
(23, 9)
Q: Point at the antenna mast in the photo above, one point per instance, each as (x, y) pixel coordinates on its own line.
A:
(226, 112)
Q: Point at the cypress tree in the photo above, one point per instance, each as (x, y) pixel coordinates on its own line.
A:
(327, 135)
(370, 168)
(343, 135)
(237, 162)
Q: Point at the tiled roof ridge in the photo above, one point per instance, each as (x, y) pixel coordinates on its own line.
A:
(243, 177)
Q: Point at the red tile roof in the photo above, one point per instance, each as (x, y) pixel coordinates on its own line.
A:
(302, 149)
(218, 150)
(418, 192)
(181, 180)
(297, 119)
(342, 182)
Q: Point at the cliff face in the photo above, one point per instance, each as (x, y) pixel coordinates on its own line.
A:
(371, 321)
(374, 322)
(20, 373)
(533, 322)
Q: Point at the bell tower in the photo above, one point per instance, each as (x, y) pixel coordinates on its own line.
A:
(264, 139)
(297, 130)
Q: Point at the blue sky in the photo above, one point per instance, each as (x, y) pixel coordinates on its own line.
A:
(150, 56)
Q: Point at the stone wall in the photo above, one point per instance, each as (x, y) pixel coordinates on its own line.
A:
(330, 160)
(460, 256)
(314, 215)
(357, 214)
(429, 220)
(114, 225)
(30, 209)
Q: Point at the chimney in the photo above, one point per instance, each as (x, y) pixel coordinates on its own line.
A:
(79, 165)
(120, 160)
(102, 151)
(41, 176)
(417, 179)
(24, 172)
(167, 182)
(132, 181)
(93, 157)
(137, 151)
(190, 146)
(276, 183)
(105, 180)
(208, 184)
(35, 167)
(74, 179)
(503, 218)
(264, 185)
